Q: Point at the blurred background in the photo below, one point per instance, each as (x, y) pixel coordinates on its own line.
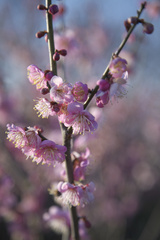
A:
(125, 162)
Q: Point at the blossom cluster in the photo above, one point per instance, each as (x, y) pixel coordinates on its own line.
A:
(58, 219)
(76, 195)
(34, 147)
(66, 101)
(114, 86)
(30, 141)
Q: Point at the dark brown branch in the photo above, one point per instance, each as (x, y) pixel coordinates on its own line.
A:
(67, 133)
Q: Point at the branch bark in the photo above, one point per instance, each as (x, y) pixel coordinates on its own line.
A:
(66, 133)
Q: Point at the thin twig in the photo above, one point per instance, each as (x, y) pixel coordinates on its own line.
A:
(121, 46)
(50, 32)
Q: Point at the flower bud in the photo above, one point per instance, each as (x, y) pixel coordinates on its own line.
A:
(56, 56)
(41, 7)
(53, 9)
(148, 27)
(48, 74)
(55, 107)
(127, 25)
(62, 52)
(117, 67)
(41, 34)
(44, 91)
(132, 20)
(103, 84)
(86, 222)
(80, 91)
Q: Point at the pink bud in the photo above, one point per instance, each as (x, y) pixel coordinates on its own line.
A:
(48, 74)
(44, 91)
(62, 52)
(40, 34)
(55, 107)
(53, 9)
(148, 27)
(127, 25)
(132, 20)
(41, 7)
(86, 222)
(56, 56)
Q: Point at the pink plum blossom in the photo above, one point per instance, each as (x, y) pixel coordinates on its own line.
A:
(17, 135)
(70, 193)
(57, 219)
(103, 84)
(87, 194)
(76, 195)
(44, 108)
(26, 140)
(80, 91)
(118, 67)
(118, 88)
(33, 138)
(49, 152)
(80, 163)
(23, 138)
(81, 120)
(62, 112)
(37, 77)
(82, 228)
(60, 91)
(102, 96)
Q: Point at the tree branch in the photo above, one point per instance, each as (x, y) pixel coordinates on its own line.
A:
(121, 46)
(66, 133)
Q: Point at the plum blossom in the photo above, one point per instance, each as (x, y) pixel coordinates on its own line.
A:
(62, 112)
(80, 91)
(113, 88)
(102, 96)
(37, 77)
(83, 225)
(33, 138)
(117, 67)
(60, 91)
(80, 163)
(57, 219)
(17, 135)
(49, 153)
(118, 88)
(32, 146)
(87, 194)
(81, 120)
(76, 195)
(70, 193)
(103, 84)
(45, 108)
(23, 138)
